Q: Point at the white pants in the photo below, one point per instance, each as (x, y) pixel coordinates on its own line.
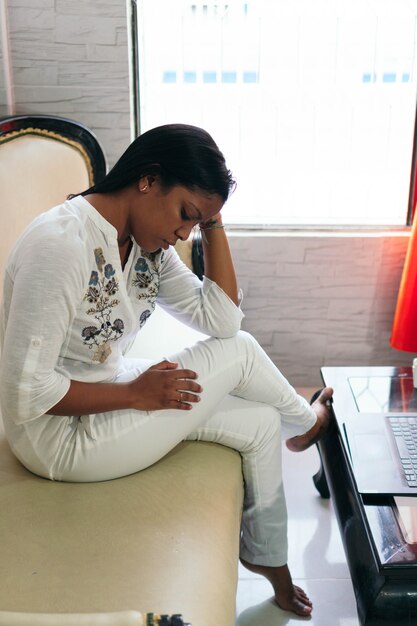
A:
(243, 403)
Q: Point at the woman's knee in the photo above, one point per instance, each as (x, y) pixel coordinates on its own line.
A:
(245, 341)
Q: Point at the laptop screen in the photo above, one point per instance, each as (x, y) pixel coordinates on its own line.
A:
(384, 394)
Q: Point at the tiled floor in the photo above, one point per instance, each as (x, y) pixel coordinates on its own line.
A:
(316, 558)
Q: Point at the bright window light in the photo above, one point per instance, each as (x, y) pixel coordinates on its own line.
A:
(312, 102)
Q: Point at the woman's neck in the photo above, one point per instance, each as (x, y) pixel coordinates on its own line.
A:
(114, 208)
(124, 251)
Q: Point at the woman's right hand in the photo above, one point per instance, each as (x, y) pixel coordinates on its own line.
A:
(164, 386)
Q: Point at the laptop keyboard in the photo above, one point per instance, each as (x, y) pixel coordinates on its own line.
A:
(405, 433)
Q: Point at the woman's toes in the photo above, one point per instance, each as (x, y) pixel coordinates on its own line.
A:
(302, 609)
(297, 606)
(301, 594)
(298, 602)
(325, 396)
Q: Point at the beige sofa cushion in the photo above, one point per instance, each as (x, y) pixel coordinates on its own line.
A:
(164, 539)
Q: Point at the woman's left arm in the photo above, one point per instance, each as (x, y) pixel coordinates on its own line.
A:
(218, 262)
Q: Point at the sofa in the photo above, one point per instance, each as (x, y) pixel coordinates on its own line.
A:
(164, 540)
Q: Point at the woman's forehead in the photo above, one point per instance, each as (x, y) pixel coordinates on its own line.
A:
(202, 202)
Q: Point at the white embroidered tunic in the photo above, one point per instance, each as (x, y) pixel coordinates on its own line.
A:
(70, 312)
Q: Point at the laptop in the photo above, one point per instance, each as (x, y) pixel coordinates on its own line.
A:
(381, 434)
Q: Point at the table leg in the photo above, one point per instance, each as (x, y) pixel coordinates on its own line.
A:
(320, 480)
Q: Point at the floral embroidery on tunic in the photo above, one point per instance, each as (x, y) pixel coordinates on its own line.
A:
(102, 286)
(147, 279)
(144, 316)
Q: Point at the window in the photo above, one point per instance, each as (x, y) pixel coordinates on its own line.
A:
(312, 102)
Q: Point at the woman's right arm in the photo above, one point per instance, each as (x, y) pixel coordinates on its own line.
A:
(162, 386)
(41, 284)
(42, 288)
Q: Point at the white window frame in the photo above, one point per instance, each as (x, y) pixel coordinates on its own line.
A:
(133, 16)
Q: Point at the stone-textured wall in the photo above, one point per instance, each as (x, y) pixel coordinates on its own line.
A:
(310, 300)
(321, 299)
(70, 59)
(3, 97)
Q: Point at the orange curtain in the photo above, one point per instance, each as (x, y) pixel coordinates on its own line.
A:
(404, 329)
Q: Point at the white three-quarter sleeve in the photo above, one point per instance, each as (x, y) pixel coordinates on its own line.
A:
(42, 286)
(202, 305)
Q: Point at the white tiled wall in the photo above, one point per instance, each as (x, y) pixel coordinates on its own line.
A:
(322, 299)
(310, 300)
(70, 59)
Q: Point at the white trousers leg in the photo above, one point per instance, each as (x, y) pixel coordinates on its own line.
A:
(254, 429)
(123, 442)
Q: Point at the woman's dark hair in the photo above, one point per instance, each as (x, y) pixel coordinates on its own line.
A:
(178, 154)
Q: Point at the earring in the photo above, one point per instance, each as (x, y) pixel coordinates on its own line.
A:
(144, 188)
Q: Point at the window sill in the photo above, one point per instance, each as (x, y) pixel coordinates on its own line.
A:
(315, 231)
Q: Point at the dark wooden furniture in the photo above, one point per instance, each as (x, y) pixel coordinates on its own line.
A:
(383, 566)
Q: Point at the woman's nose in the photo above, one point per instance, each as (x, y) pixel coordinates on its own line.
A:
(183, 232)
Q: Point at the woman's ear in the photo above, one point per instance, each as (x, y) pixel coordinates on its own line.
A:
(143, 184)
(146, 182)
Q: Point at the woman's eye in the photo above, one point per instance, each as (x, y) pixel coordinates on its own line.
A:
(184, 215)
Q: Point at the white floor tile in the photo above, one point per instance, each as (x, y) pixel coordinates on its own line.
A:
(334, 604)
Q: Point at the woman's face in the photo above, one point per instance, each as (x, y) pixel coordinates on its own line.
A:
(160, 217)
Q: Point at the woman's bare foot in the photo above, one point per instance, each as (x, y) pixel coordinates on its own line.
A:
(321, 406)
(288, 596)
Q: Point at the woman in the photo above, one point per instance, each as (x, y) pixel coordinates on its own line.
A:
(81, 282)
